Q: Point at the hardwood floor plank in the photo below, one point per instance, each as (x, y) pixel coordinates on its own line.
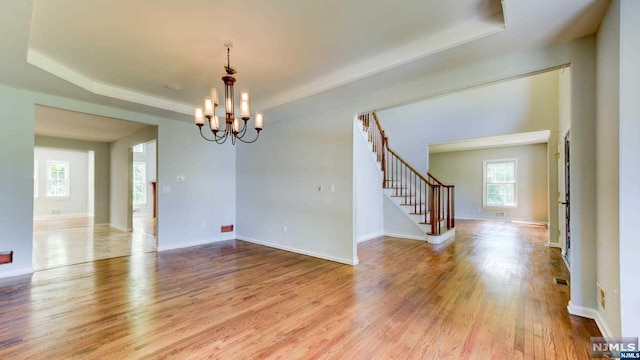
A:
(487, 295)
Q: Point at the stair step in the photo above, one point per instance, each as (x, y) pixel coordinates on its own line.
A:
(403, 204)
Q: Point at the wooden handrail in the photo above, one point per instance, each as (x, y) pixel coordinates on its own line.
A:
(404, 161)
(429, 197)
(438, 181)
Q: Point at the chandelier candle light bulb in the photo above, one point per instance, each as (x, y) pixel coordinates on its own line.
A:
(214, 123)
(214, 97)
(244, 105)
(258, 121)
(208, 107)
(197, 112)
(233, 126)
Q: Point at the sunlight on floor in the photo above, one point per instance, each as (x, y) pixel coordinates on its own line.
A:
(63, 242)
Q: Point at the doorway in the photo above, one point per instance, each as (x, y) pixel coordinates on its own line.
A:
(80, 204)
(567, 197)
(564, 196)
(143, 188)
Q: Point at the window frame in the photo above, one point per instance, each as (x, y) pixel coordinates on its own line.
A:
(485, 183)
(67, 178)
(144, 183)
(138, 148)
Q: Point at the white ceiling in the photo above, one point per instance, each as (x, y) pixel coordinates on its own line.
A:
(283, 49)
(65, 124)
(122, 53)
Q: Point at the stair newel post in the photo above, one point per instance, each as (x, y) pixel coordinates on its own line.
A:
(432, 209)
(453, 207)
(384, 159)
(421, 194)
(449, 219)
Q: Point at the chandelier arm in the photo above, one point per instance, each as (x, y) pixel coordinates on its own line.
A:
(252, 141)
(206, 138)
(216, 138)
(224, 136)
(244, 129)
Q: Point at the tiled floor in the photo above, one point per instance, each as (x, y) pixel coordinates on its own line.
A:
(62, 242)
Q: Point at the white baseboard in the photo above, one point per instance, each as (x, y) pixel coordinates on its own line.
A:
(353, 261)
(226, 237)
(371, 236)
(439, 239)
(24, 271)
(120, 228)
(404, 236)
(590, 314)
(61, 216)
(506, 219)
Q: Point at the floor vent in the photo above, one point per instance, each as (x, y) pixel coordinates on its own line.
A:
(560, 281)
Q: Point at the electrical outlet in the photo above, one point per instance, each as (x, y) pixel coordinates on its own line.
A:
(332, 188)
(166, 189)
(180, 178)
(285, 230)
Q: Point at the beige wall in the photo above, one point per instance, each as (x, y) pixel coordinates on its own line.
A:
(464, 169)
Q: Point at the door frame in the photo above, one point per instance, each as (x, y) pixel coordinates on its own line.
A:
(563, 205)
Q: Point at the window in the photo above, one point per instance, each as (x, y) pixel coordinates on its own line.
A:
(138, 148)
(500, 183)
(57, 178)
(139, 182)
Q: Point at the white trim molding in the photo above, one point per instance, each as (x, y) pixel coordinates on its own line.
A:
(62, 71)
(593, 314)
(226, 237)
(370, 236)
(403, 236)
(25, 271)
(353, 261)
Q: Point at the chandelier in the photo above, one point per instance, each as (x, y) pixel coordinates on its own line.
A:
(233, 126)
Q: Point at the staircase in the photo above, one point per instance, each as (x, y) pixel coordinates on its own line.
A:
(427, 201)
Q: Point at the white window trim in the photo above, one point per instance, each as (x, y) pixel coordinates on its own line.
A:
(67, 177)
(484, 184)
(141, 145)
(144, 183)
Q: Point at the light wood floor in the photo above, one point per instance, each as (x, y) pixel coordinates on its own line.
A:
(487, 295)
(68, 241)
